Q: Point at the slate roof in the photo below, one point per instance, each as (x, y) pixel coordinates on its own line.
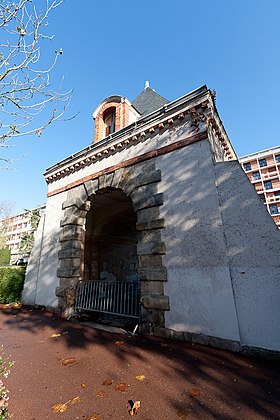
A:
(148, 101)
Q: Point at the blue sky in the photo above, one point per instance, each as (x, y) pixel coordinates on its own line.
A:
(112, 47)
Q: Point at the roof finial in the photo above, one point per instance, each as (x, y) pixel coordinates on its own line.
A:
(147, 84)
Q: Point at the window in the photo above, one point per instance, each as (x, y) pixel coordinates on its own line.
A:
(277, 158)
(277, 195)
(247, 166)
(273, 209)
(109, 121)
(267, 185)
(262, 163)
(256, 176)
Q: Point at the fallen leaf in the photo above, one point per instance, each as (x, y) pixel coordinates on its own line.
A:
(122, 387)
(107, 382)
(69, 361)
(83, 385)
(195, 392)
(182, 414)
(55, 335)
(135, 407)
(100, 394)
(59, 408)
(94, 416)
(75, 400)
(140, 378)
(119, 343)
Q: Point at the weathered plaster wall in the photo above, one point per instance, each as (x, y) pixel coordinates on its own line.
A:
(199, 284)
(253, 250)
(44, 259)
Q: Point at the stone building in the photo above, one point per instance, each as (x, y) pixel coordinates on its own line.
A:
(263, 170)
(13, 228)
(159, 200)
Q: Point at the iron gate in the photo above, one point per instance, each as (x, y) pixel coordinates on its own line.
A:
(116, 298)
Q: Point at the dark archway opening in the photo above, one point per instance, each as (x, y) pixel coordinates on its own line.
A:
(111, 261)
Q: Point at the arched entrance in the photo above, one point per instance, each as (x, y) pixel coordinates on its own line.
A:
(110, 287)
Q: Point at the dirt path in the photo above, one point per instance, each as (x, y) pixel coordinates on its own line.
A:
(94, 374)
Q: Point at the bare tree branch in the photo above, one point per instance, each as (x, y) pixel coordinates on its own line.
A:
(25, 87)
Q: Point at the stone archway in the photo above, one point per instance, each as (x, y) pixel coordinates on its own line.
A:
(110, 238)
(140, 183)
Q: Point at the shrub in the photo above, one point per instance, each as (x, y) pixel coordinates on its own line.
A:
(11, 284)
(5, 364)
(5, 255)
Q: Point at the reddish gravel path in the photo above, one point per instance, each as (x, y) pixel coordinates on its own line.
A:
(182, 381)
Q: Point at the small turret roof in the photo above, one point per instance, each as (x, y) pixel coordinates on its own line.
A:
(148, 101)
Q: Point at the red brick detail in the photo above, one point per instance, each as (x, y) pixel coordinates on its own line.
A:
(121, 118)
(130, 162)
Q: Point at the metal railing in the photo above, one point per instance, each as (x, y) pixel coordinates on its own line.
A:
(117, 298)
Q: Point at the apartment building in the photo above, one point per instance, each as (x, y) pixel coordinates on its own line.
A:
(263, 170)
(14, 227)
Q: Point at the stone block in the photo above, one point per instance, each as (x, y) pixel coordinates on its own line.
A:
(151, 287)
(60, 291)
(70, 253)
(152, 224)
(91, 187)
(153, 261)
(147, 177)
(149, 236)
(145, 215)
(72, 220)
(70, 263)
(68, 272)
(79, 205)
(155, 301)
(117, 176)
(77, 197)
(154, 248)
(73, 210)
(142, 202)
(154, 274)
(72, 232)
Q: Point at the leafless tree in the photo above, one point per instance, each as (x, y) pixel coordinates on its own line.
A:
(25, 89)
(6, 208)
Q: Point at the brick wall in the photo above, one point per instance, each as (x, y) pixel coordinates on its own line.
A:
(121, 118)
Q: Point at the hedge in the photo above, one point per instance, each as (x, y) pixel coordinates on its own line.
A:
(5, 255)
(11, 284)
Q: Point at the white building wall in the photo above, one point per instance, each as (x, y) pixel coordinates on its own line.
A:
(253, 249)
(41, 277)
(199, 284)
